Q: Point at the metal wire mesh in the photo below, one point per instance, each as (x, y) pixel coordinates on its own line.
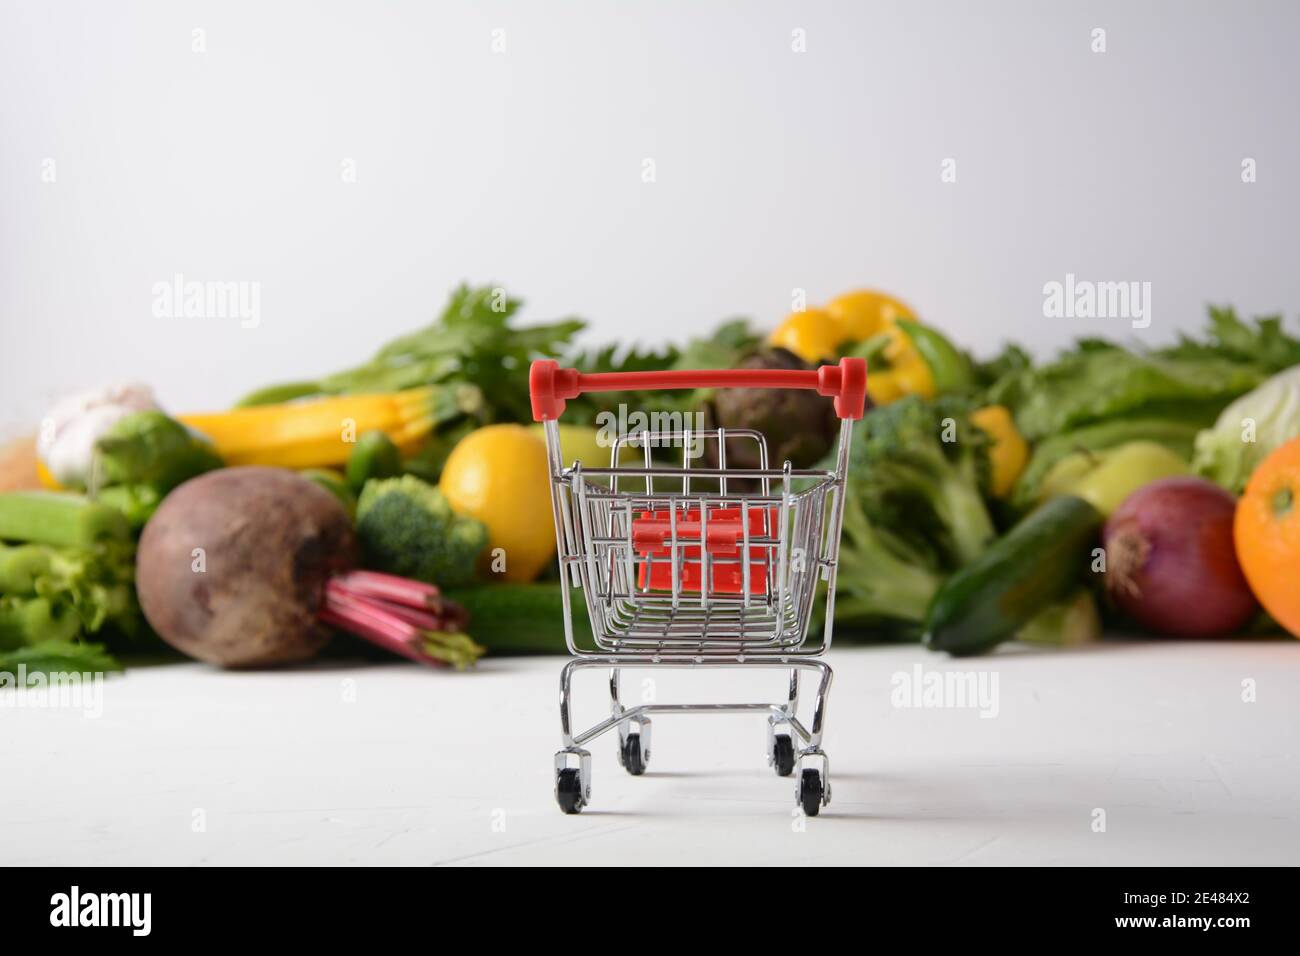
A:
(711, 562)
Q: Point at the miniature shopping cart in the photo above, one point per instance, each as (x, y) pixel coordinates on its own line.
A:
(697, 567)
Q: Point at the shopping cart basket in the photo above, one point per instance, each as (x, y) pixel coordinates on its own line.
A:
(690, 567)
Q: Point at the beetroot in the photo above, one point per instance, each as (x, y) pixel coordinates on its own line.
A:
(252, 567)
(1170, 560)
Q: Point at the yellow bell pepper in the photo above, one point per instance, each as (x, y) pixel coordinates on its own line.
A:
(918, 360)
(865, 313)
(812, 334)
(908, 373)
(1009, 453)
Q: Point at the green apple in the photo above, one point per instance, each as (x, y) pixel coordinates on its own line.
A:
(580, 443)
(1105, 478)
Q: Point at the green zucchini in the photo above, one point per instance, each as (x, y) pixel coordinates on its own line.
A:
(512, 619)
(1034, 565)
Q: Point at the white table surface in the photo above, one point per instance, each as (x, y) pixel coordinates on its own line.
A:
(392, 764)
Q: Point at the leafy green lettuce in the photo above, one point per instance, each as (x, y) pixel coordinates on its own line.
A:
(1191, 381)
(1248, 430)
(1098, 382)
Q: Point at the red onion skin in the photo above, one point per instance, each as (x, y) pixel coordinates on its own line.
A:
(1170, 560)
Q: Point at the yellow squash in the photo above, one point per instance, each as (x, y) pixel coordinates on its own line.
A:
(315, 433)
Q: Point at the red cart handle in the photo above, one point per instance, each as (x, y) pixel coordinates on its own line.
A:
(549, 385)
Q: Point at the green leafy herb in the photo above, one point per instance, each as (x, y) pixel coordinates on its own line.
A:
(59, 657)
(473, 342)
(1265, 344)
(613, 358)
(722, 348)
(1097, 384)
(1098, 380)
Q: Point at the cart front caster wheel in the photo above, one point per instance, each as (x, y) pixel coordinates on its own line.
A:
(632, 757)
(568, 790)
(810, 792)
(782, 755)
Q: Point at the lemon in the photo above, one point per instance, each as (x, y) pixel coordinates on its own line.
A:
(865, 313)
(813, 335)
(498, 474)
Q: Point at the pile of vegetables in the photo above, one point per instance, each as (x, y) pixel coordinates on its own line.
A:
(1153, 444)
(405, 501)
(1062, 497)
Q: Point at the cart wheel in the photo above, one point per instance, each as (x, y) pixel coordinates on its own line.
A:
(810, 791)
(631, 756)
(782, 755)
(568, 790)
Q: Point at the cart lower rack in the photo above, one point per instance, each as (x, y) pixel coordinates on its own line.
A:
(698, 567)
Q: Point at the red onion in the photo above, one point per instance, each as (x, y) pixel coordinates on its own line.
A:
(1170, 560)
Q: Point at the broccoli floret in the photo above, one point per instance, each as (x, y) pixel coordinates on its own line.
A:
(925, 467)
(914, 510)
(406, 527)
(880, 577)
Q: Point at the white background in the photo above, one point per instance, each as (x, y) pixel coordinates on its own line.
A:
(775, 170)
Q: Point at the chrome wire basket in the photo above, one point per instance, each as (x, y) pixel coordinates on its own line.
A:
(686, 566)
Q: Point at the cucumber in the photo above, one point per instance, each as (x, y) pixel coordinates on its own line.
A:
(1032, 566)
(512, 619)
